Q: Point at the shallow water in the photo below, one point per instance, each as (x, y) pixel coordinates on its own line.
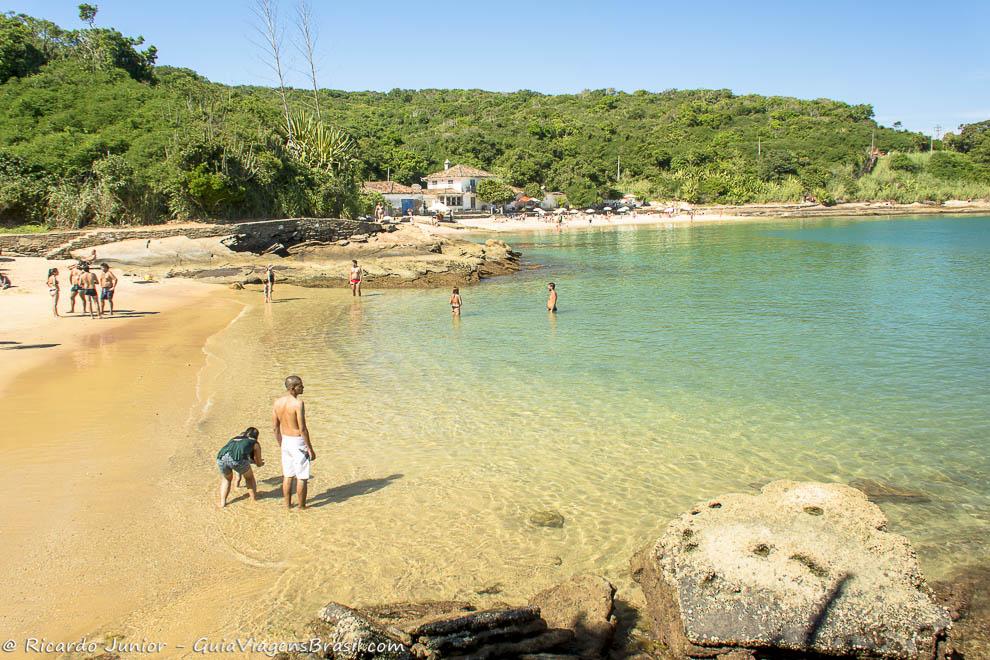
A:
(684, 362)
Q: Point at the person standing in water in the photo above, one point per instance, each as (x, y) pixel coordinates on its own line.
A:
(269, 282)
(53, 288)
(552, 297)
(108, 285)
(455, 302)
(292, 436)
(237, 456)
(355, 278)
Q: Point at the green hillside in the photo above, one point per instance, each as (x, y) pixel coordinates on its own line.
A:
(93, 132)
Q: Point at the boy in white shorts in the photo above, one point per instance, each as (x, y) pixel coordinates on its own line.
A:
(292, 435)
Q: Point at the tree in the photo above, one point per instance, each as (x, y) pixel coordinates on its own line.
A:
(304, 23)
(495, 192)
(270, 30)
(902, 163)
(87, 14)
(19, 56)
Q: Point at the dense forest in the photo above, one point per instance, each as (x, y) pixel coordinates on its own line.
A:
(94, 132)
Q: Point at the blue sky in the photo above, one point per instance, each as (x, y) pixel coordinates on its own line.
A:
(919, 63)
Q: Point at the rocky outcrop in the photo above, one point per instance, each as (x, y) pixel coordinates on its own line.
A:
(583, 605)
(966, 595)
(258, 237)
(572, 620)
(348, 635)
(404, 257)
(804, 568)
(504, 632)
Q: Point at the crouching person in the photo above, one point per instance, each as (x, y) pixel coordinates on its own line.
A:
(237, 456)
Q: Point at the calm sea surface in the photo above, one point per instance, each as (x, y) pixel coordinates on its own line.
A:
(684, 362)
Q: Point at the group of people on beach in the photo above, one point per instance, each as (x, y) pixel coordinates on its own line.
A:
(95, 290)
(292, 438)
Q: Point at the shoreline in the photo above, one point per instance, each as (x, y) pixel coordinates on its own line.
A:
(32, 336)
(96, 488)
(712, 214)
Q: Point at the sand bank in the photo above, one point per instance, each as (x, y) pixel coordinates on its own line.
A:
(31, 335)
(714, 213)
(92, 536)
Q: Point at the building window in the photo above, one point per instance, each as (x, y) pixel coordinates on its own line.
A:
(450, 182)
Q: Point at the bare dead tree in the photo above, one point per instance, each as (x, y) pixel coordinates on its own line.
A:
(304, 23)
(266, 11)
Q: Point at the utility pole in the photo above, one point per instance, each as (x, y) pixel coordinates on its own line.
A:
(388, 174)
(618, 168)
(937, 136)
(759, 147)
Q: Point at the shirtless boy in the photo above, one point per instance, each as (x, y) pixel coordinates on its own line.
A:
(108, 284)
(74, 290)
(552, 297)
(355, 278)
(87, 287)
(292, 435)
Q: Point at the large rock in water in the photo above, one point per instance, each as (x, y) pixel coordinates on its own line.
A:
(801, 567)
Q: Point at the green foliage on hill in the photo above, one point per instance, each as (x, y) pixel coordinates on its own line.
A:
(93, 132)
(916, 177)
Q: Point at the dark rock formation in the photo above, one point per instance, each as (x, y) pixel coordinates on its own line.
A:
(583, 605)
(881, 491)
(967, 597)
(474, 621)
(350, 636)
(804, 568)
(580, 624)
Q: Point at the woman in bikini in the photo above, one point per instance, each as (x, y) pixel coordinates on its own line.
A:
(355, 278)
(53, 288)
(455, 302)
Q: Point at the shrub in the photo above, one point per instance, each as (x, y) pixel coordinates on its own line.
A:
(949, 165)
(903, 163)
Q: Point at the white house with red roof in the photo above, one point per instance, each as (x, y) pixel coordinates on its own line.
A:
(454, 188)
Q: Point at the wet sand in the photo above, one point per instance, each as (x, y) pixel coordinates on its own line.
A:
(93, 542)
(30, 335)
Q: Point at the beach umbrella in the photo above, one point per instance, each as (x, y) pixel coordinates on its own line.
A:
(589, 210)
(574, 211)
(623, 209)
(607, 208)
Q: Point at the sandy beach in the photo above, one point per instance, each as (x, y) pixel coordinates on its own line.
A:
(31, 335)
(93, 420)
(706, 214)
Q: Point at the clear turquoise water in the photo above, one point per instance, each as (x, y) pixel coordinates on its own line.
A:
(684, 362)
